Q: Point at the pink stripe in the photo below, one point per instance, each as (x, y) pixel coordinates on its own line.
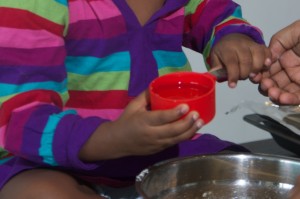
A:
(13, 142)
(15, 129)
(105, 9)
(2, 135)
(30, 105)
(110, 114)
(170, 24)
(80, 11)
(195, 137)
(85, 10)
(174, 15)
(20, 38)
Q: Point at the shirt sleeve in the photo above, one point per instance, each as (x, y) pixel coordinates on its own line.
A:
(206, 22)
(33, 86)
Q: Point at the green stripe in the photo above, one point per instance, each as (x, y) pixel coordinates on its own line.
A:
(3, 153)
(5, 98)
(63, 95)
(191, 7)
(99, 81)
(167, 70)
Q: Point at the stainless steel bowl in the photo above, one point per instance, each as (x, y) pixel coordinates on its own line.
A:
(246, 176)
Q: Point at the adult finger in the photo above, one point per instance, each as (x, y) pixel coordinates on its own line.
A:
(285, 39)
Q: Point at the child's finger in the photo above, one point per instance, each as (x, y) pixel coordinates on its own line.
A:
(161, 117)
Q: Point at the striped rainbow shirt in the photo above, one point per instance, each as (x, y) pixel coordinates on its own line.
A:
(67, 66)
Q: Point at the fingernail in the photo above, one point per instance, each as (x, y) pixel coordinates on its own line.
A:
(199, 124)
(232, 84)
(268, 62)
(195, 116)
(183, 109)
(252, 75)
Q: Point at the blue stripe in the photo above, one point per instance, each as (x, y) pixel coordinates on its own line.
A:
(10, 89)
(3, 161)
(45, 150)
(89, 65)
(237, 12)
(169, 59)
(64, 2)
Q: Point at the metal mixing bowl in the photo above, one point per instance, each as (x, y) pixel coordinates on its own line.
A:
(246, 176)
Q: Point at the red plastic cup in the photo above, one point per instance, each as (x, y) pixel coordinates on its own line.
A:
(195, 89)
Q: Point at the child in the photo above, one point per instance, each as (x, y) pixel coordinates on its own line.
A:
(73, 86)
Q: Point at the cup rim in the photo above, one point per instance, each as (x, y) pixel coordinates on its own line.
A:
(208, 76)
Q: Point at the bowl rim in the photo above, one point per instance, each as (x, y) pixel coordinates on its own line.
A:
(145, 172)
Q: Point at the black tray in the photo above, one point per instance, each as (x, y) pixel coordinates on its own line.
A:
(283, 136)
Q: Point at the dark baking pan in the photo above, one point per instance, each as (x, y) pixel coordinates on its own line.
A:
(283, 136)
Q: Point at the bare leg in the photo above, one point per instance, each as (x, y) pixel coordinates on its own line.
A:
(46, 184)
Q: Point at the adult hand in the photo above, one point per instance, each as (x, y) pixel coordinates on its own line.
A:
(241, 56)
(281, 83)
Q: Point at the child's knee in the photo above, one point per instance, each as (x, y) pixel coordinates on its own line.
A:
(42, 183)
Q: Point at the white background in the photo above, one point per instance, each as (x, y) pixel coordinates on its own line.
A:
(270, 16)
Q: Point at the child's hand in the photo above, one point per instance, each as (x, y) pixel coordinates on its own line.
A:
(144, 132)
(241, 56)
(139, 131)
